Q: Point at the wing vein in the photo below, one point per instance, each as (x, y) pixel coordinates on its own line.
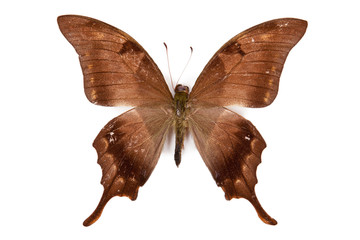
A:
(109, 72)
(95, 40)
(256, 73)
(269, 42)
(263, 32)
(97, 32)
(98, 48)
(102, 59)
(251, 85)
(232, 97)
(107, 85)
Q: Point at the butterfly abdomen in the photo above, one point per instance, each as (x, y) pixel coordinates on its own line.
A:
(180, 104)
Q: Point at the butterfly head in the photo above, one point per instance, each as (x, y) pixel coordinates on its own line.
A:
(181, 89)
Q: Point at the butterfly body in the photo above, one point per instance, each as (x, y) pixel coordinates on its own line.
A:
(117, 71)
(181, 110)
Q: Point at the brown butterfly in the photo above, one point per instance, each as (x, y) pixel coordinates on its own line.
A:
(118, 71)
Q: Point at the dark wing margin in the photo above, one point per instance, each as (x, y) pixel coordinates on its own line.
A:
(117, 70)
(128, 149)
(246, 70)
(231, 148)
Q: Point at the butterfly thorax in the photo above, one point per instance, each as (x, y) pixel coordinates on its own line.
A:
(180, 104)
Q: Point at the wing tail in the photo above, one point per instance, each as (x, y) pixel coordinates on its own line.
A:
(231, 148)
(128, 149)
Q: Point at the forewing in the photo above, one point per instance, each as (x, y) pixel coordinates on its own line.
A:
(116, 69)
(246, 69)
(128, 149)
(231, 148)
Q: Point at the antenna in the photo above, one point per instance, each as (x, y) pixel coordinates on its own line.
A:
(191, 51)
(167, 57)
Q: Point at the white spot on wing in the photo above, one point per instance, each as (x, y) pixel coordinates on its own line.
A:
(283, 24)
(111, 137)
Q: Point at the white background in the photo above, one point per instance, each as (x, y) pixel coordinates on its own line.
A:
(309, 178)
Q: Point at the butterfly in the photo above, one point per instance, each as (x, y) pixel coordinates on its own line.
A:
(117, 71)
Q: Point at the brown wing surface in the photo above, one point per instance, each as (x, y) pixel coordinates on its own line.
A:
(128, 149)
(231, 148)
(247, 69)
(116, 69)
